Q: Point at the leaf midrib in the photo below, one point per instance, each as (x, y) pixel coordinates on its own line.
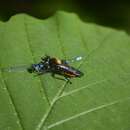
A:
(56, 98)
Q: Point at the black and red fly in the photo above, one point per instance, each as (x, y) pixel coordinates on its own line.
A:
(56, 66)
(51, 65)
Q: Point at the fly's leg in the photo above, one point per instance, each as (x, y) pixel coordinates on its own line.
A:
(64, 79)
(68, 80)
(53, 75)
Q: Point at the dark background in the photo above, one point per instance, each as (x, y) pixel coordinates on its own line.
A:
(115, 14)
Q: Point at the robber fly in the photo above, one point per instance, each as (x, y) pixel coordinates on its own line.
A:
(54, 66)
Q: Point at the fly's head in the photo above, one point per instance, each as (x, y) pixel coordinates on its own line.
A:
(46, 59)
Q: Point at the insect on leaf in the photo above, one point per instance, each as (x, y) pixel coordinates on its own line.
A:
(100, 100)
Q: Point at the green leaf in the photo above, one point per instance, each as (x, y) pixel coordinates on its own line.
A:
(100, 100)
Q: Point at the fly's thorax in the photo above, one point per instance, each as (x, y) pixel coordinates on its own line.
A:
(55, 61)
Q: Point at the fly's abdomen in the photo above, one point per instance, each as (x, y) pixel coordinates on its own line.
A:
(70, 72)
(74, 73)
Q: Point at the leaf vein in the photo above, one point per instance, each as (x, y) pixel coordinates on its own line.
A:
(13, 103)
(59, 93)
(30, 48)
(87, 112)
(81, 88)
(58, 35)
(44, 118)
(82, 38)
(94, 50)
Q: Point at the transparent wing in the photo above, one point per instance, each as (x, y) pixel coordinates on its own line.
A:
(21, 68)
(75, 59)
(80, 59)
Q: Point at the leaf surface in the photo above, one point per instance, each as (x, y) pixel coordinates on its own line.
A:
(100, 100)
